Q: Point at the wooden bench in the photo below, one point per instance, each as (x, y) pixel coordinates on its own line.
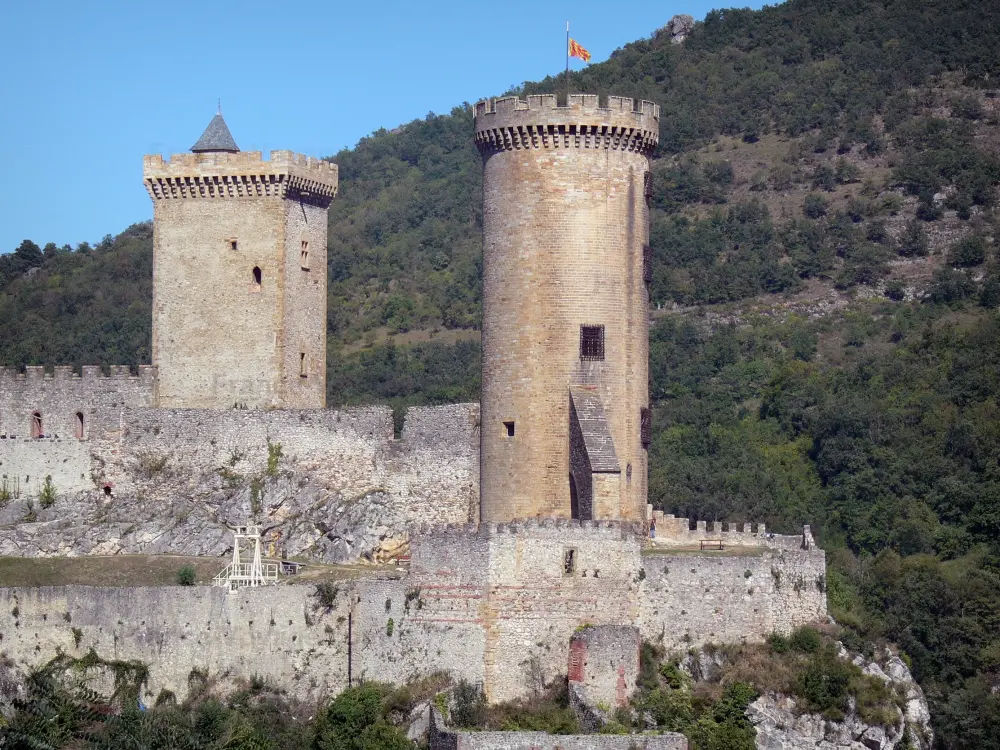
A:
(712, 544)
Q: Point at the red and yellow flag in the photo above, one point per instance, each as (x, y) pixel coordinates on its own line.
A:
(575, 50)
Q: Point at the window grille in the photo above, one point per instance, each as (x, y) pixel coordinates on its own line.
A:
(647, 264)
(647, 185)
(645, 427)
(592, 343)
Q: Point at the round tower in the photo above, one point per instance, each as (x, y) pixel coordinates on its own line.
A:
(565, 398)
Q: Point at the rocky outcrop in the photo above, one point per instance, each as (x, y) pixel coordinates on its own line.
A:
(678, 27)
(299, 518)
(781, 725)
(324, 485)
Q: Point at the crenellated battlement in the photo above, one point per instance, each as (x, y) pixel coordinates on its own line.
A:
(240, 175)
(578, 104)
(678, 532)
(536, 527)
(145, 374)
(539, 121)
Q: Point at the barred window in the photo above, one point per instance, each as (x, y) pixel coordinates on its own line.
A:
(647, 264)
(592, 343)
(647, 185)
(645, 427)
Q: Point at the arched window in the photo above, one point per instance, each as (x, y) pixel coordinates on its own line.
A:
(36, 425)
(255, 287)
(79, 425)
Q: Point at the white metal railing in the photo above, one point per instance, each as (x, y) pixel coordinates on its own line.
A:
(243, 574)
(239, 574)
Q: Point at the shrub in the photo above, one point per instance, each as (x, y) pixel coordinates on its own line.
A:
(355, 720)
(805, 639)
(950, 286)
(720, 172)
(824, 684)
(815, 206)
(929, 211)
(778, 643)
(989, 297)
(47, 496)
(876, 232)
(274, 455)
(326, 594)
(968, 252)
(967, 107)
(913, 242)
(186, 576)
(824, 178)
(468, 705)
(846, 172)
(895, 291)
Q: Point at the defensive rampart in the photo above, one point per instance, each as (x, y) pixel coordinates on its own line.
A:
(498, 606)
(282, 634)
(681, 532)
(507, 598)
(442, 738)
(67, 404)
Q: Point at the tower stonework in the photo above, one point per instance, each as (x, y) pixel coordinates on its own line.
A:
(565, 307)
(239, 279)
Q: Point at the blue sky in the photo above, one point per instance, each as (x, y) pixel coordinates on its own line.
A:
(87, 88)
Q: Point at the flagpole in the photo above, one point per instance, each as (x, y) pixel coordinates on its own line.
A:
(567, 63)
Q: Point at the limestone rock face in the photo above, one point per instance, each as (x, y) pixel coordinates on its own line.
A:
(679, 27)
(299, 518)
(781, 727)
(329, 486)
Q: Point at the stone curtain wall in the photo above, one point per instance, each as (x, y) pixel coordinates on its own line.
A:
(401, 634)
(341, 488)
(59, 395)
(442, 738)
(280, 633)
(604, 663)
(495, 606)
(502, 599)
(24, 464)
(691, 601)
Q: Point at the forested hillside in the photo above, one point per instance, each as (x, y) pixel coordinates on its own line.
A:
(825, 341)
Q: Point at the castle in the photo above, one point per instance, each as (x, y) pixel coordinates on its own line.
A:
(525, 520)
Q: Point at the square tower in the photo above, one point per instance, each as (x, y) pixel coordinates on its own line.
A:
(239, 275)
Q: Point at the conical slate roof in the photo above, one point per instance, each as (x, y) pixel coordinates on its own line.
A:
(216, 138)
